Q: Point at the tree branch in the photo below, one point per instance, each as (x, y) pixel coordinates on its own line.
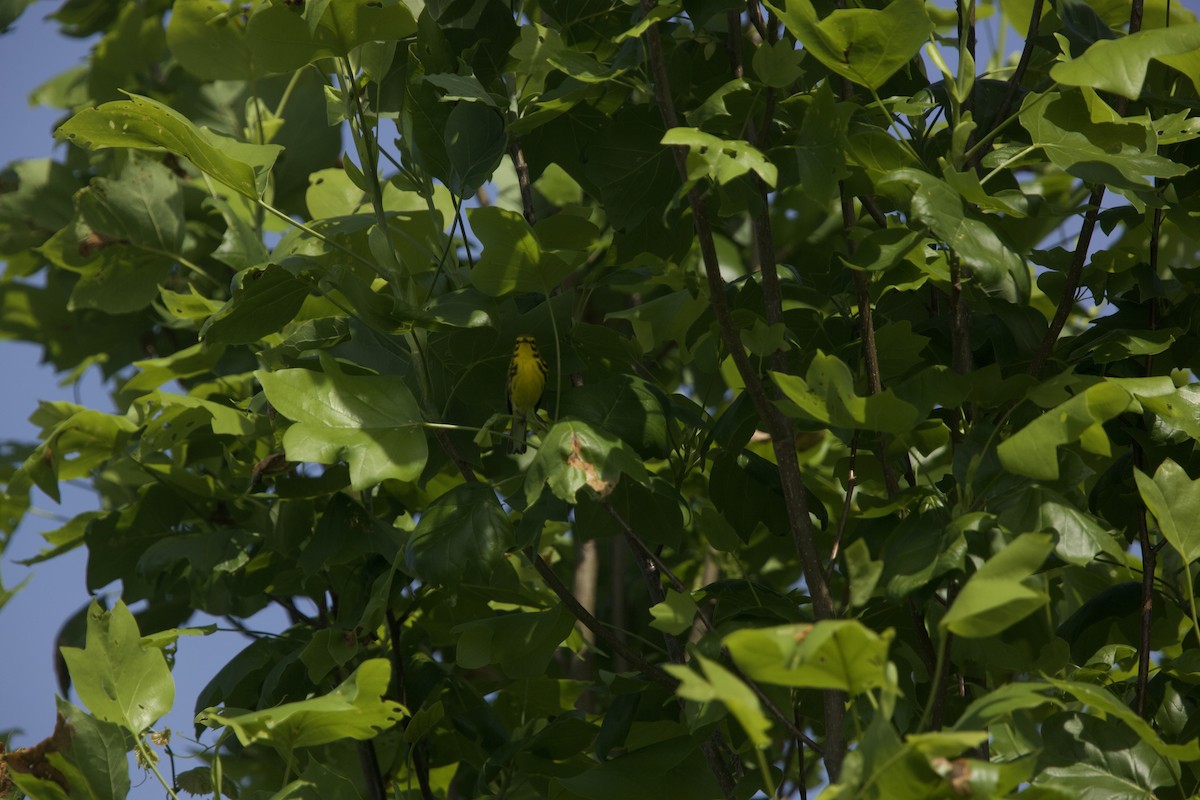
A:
(1149, 554)
(779, 426)
(1014, 82)
(523, 182)
(652, 562)
(1066, 302)
(633, 657)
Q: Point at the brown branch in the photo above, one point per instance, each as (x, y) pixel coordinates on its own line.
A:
(1066, 301)
(960, 321)
(523, 182)
(850, 481)
(649, 565)
(369, 760)
(1147, 607)
(447, 444)
(780, 428)
(777, 425)
(1014, 82)
(399, 691)
(866, 321)
(587, 573)
(631, 656)
(650, 562)
(1149, 554)
(928, 651)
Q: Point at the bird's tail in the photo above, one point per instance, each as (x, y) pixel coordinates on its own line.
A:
(517, 443)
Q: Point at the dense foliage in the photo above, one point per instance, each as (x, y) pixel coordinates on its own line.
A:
(866, 452)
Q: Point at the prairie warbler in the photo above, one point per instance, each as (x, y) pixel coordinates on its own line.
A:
(526, 383)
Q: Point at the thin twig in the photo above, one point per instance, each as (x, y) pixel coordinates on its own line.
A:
(523, 182)
(1149, 555)
(780, 428)
(850, 480)
(633, 657)
(1014, 83)
(1066, 302)
(960, 321)
(777, 424)
(640, 549)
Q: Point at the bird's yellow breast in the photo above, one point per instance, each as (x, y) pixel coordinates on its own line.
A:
(527, 378)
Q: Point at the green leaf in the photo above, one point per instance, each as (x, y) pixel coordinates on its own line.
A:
(630, 408)
(721, 685)
(995, 597)
(142, 123)
(75, 443)
(465, 88)
(283, 40)
(1174, 500)
(777, 65)
(979, 245)
(1179, 410)
(521, 644)
(513, 259)
(720, 160)
(1087, 756)
(574, 455)
(1080, 537)
(867, 46)
(118, 678)
(264, 300)
(1099, 700)
(841, 654)
(1002, 702)
(1119, 65)
(209, 40)
(98, 750)
(864, 574)
(354, 710)
(1033, 450)
(372, 422)
(10, 12)
(675, 614)
(826, 395)
(664, 767)
(1112, 151)
(462, 535)
(664, 319)
(475, 144)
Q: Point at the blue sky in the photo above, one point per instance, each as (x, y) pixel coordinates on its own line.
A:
(30, 53)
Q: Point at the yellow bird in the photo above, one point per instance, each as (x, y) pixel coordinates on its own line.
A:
(526, 383)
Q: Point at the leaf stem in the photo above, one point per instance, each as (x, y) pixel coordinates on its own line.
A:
(935, 682)
(149, 758)
(1010, 92)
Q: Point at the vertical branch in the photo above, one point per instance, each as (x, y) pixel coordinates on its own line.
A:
(779, 426)
(617, 593)
(1014, 83)
(960, 321)
(866, 315)
(1146, 610)
(631, 656)
(1066, 301)
(587, 573)
(966, 37)
(1149, 554)
(523, 182)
